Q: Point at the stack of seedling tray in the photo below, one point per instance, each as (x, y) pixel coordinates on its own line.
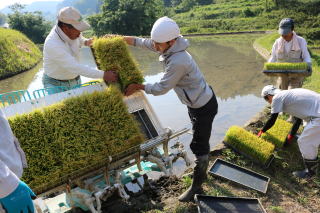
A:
(279, 69)
(260, 150)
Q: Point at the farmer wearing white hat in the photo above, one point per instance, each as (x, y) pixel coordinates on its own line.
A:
(303, 104)
(62, 49)
(15, 195)
(183, 75)
(290, 48)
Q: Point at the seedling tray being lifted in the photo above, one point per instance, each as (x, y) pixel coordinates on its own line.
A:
(240, 175)
(210, 204)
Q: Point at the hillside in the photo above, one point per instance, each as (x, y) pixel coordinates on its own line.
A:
(250, 15)
(17, 53)
(48, 9)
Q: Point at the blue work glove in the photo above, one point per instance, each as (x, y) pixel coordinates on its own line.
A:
(20, 200)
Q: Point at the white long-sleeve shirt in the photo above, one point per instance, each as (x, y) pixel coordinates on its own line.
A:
(287, 47)
(11, 165)
(61, 57)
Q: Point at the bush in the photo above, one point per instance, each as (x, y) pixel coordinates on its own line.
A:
(248, 13)
(249, 144)
(113, 54)
(74, 135)
(278, 133)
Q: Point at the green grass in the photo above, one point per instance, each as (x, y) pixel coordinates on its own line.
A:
(17, 53)
(249, 144)
(278, 133)
(73, 136)
(249, 15)
(267, 41)
(285, 66)
(113, 54)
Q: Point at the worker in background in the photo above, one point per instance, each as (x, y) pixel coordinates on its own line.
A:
(304, 105)
(290, 48)
(15, 195)
(182, 74)
(62, 49)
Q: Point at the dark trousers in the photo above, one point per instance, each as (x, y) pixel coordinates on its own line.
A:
(201, 119)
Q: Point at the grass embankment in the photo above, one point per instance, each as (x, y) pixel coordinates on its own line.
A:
(251, 15)
(17, 53)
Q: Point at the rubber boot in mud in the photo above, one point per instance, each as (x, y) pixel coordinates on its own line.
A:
(311, 167)
(199, 176)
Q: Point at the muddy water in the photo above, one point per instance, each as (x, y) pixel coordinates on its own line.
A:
(229, 64)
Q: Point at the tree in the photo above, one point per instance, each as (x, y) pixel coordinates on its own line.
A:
(3, 18)
(32, 24)
(134, 17)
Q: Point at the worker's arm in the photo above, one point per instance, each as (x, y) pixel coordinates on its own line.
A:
(273, 57)
(15, 195)
(63, 57)
(173, 74)
(269, 123)
(305, 53)
(145, 43)
(294, 130)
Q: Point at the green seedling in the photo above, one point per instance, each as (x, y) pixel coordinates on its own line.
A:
(249, 144)
(74, 135)
(285, 66)
(113, 54)
(278, 133)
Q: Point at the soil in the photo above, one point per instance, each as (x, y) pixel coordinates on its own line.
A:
(285, 193)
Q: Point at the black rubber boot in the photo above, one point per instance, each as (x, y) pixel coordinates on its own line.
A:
(199, 176)
(310, 169)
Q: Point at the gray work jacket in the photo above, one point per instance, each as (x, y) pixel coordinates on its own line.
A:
(181, 74)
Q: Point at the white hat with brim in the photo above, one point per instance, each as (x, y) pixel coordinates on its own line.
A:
(70, 15)
(269, 90)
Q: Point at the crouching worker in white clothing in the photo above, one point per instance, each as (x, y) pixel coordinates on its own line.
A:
(304, 105)
(15, 195)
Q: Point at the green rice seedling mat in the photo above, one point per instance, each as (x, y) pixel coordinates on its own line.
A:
(112, 53)
(278, 133)
(248, 144)
(74, 134)
(284, 68)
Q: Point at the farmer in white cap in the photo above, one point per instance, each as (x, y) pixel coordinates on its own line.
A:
(304, 105)
(183, 75)
(290, 48)
(61, 52)
(15, 195)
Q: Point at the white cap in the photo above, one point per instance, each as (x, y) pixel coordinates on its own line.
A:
(269, 90)
(164, 29)
(70, 15)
